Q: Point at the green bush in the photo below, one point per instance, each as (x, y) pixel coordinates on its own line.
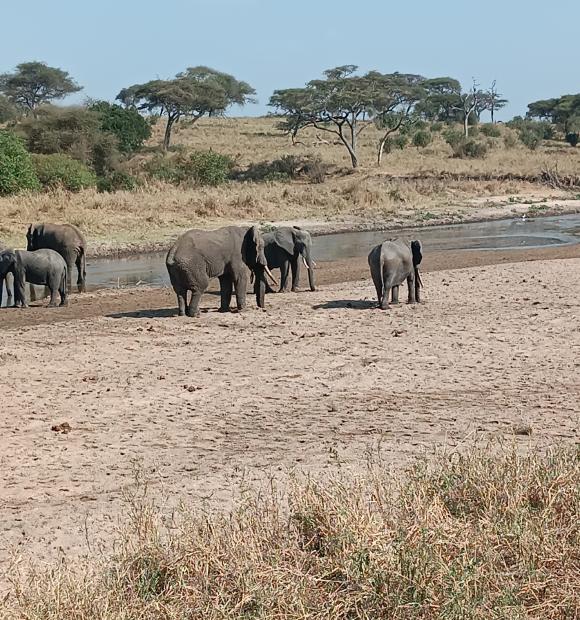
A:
(454, 137)
(16, 168)
(491, 130)
(62, 171)
(117, 180)
(437, 127)
(286, 168)
(530, 138)
(130, 128)
(422, 139)
(208, 167)
(572, 138)
(167, 169)
(510, 141)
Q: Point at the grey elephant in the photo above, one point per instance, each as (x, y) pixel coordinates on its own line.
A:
(285, 248)
(225, 253)
(42, 267)
(391, 263)
(65, 239)
(9, 280)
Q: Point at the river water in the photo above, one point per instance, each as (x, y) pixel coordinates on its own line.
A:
(149, 268)
(496, 235)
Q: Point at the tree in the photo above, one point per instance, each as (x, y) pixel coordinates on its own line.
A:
(336, 104)
(196, 92)
(495, 100)
(16, 169)
(35, 83)
(8, 110)
(130, 128)
(467, 104)
(564, 112)
(393, 105)
(442, 95)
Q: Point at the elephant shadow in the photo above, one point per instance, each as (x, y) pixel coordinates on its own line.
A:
(351, 304)
(152, 313)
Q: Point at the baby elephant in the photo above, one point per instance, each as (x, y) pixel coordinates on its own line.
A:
(44, 267)
(392, 262)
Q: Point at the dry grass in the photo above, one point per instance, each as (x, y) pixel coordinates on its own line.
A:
(465, 537)
(412, 186)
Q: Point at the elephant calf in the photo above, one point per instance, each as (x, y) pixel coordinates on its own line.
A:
(9, 285)
(391, 263)
(43, 267)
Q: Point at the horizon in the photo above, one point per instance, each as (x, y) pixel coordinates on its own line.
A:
(258, 55)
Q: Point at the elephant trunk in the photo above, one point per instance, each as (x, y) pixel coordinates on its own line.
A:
(310, 265)
(2, 279)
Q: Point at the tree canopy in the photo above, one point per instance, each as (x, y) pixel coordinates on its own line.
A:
(35, 83)
(130, 128)
(564, 112)
(193, 93)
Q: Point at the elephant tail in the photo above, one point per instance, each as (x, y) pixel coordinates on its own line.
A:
(418, 277)
(63, 279)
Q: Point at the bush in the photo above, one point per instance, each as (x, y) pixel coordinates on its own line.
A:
(454, 137)
(286, 168)
(117, 180)
(572, 138)
(167, 169)
(491, 130)
(530, 138)
(532, 133)
(130, 128)
(16, 168)
(437, 126)
(395, 142)
(510, 140)
(208, 167)
(62, 171)
(465, 147)
(422, 139)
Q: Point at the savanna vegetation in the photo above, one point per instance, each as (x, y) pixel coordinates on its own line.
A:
(396, 148)
(478, 536)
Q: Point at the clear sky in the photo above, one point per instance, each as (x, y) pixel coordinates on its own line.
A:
(532, 49)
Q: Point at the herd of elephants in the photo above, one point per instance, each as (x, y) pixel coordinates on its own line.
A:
(228, 253)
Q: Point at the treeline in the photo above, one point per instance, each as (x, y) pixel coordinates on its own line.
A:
(82, 146)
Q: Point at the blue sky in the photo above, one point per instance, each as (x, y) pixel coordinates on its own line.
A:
(530, 48)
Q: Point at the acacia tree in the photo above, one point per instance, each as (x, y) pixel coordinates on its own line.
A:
(441, 98)
(467, 104)
(495, 100)
(394, 103)
(196, 92)
(339, 104)
(564, 112)
(35, 83)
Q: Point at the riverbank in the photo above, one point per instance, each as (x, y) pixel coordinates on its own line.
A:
(147, 395)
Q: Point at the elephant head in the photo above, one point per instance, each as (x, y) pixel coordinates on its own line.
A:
(417, 252)
(254, 257)
(32, 237)
(298, 243)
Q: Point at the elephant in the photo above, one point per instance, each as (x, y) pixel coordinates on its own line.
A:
(9, 282)
(65, 239)
(284, 248)
(391, 262)
(43, 267)
(199, 255)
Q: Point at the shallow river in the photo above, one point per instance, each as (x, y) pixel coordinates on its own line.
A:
(497, 235)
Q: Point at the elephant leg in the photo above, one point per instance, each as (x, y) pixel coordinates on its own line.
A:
(241, 287)
(32, 291)
(181, 302)
(81, 274)
(295, 273)
(395, 294)
(284, 270)
(192, 309)
(70, 263)
(411, 286)
(226, 289)
(53, 297)
(378, 284)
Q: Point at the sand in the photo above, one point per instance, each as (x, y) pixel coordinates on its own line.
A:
(320, 380)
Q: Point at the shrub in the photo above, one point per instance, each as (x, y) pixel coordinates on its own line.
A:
(286, 168)
(167, 169)
(422, 139)
(130, 128)
(208, 167)
(530, 138)
(437, 126)
(62, 171)
(491, 130)
(532, 133)
(16, 168)
(395, 142)
(117, 180)
(454, 137)
(465, 147)
(510, 140)
(572, 138)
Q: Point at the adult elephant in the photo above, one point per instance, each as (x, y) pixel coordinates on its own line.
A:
(225, 253)
(285, 248)
(43, 267)
(391, 263)
(65, 239)
(9, 280)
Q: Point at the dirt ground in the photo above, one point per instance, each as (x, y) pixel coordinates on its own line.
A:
(320, 380)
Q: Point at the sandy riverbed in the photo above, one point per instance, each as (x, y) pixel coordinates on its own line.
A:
(319, 379)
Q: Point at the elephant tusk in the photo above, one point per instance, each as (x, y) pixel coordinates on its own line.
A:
(305, 263)
(269, 274)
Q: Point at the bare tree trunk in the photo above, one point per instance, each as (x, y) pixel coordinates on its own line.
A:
(382, 143)
(466, 125)
(167, 136)
(492, 110)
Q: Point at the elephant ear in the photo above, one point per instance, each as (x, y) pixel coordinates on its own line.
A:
(285, 239)
(417, 251)
(253, 247)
